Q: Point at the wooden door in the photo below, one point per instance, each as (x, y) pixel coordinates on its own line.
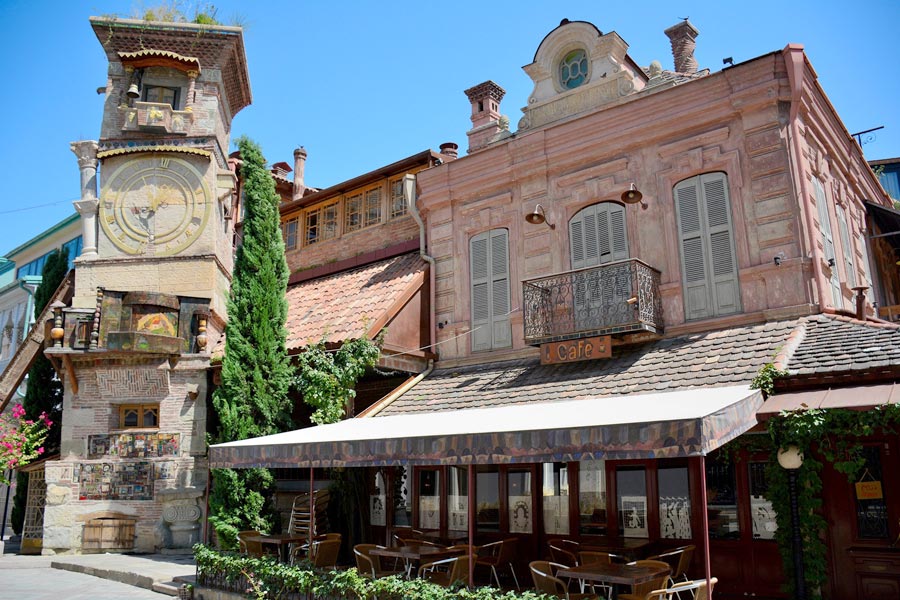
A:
(864, 525)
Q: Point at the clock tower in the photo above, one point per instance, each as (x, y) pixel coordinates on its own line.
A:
(151, 284)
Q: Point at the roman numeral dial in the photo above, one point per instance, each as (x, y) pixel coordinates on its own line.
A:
(155, 205)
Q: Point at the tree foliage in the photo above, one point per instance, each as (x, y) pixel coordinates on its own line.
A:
(327, 379)
(252, 399)
(44, 393)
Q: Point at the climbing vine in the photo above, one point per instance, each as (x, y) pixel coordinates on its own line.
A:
(327, 379)
(835, 435)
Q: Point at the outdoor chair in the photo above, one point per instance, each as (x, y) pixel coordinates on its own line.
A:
(447, 571)
(325, 553)
(562, 554)
(641, 590)
(254, 549)
(590, 557)
(543, 574)
(367, 564)
(692, 590)
(498, 554)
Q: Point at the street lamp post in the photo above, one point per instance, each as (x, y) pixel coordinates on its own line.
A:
(791, 459)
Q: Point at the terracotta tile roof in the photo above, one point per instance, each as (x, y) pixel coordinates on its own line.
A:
(833, 344)
(345, 305)
(710, 359)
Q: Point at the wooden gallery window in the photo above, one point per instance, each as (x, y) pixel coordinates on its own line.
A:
(289, 233)
(398, 202)
(321, 224)
(139, 416)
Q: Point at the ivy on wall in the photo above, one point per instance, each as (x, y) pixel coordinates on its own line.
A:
(834, 436)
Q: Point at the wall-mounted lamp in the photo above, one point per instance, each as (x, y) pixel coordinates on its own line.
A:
(778, 258)
(831, 262)
(193, 390)
(728, 61)
(538, 217)
(632, 196)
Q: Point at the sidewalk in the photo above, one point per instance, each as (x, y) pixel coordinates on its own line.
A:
(161, 573)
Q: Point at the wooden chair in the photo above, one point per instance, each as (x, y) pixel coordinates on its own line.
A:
(254, 549)
(324, 553)
(695, 590)
(543, 574)
(497, 554)
(641, 590)
(370, 565)
(447, 571)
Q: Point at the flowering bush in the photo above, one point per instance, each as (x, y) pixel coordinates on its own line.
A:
(21, 440)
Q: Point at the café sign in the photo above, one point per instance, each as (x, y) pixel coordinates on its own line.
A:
(576, 350)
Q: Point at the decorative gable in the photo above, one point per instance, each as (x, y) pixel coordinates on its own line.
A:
(577, 68)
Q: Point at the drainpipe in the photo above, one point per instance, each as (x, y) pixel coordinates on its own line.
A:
(794, 60)
(409, 194)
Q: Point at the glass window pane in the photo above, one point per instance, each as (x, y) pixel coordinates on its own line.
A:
(458, 500)
(721, 499)
(592, 496)
(151, 417)
(555, 491)
(519, 488)
(429, 499)
(674, 503)
(487, 498)
(402, 499)
(871, 509)
(129, 417)
(631, 500)
(761, 512)
(378, 500)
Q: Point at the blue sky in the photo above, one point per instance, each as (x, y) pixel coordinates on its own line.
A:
(362, 84)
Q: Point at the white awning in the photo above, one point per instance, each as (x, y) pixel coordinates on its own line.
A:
(681, 423)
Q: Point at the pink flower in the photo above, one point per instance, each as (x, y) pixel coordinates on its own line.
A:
(18, 412)
(40, 450)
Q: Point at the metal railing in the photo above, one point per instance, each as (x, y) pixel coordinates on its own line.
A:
(618, 297)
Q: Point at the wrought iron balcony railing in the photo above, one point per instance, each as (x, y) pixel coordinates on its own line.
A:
(619, 297)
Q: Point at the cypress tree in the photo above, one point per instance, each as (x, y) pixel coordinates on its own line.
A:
(44, 392)
(252, 399)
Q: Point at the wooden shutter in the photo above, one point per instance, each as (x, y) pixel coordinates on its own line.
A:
(597, 235)
(697, 295)
(849, 263)
(828, 242)
(708, 260)
(489, 272)
(725, 287)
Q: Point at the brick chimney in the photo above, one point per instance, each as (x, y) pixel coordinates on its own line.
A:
(299, 166)
(683, 36)
(486, 118)
(449, 149)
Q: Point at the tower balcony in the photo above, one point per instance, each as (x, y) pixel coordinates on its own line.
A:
(157, 117)
(616, 298)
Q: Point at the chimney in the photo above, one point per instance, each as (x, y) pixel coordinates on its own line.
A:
(299, 165)
(449, 149)
(486, 118)
(683, 36)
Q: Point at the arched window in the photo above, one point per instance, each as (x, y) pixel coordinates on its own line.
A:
(706, 239)
(489, 278)
(597, 235)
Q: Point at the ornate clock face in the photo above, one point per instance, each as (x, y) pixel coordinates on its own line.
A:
(155, 205)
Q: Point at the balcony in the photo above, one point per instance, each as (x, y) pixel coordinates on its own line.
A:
(616, 298)
(157, 117)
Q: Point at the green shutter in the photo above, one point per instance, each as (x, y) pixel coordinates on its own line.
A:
(849, 263)
(837, 300)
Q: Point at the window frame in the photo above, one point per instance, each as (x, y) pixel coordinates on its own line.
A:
(176, 94)
(290, 237)
(396, 200)
(323, 231)
(142, 409)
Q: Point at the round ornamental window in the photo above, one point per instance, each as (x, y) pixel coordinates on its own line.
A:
(573, 69)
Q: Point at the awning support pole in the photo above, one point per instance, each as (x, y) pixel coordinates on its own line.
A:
(705, 524)
(312, 512)
(471, 510)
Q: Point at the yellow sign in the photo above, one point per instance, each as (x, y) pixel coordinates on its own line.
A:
(869, 490)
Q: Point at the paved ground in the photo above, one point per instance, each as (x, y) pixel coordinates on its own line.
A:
(44, 583)
(92, 576)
